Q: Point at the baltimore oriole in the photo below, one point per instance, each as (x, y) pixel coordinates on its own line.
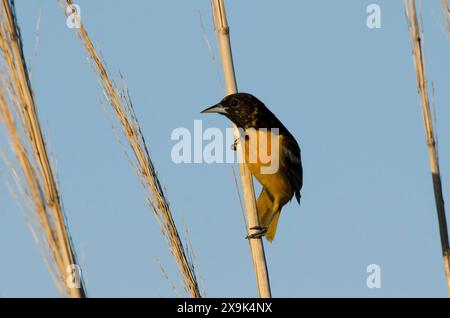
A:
(250, 114)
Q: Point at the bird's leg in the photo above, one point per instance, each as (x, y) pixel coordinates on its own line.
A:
(261, 231)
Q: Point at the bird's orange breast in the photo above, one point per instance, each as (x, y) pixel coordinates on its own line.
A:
(260, 151)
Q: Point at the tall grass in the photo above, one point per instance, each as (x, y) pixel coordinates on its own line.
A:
(119, 99)
(416, 38)
(33, 173)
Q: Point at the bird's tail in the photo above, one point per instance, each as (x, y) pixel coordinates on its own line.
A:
(270, 234)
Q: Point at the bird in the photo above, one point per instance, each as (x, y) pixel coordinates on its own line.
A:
(278, 188)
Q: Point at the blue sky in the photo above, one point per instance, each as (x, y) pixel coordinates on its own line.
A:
(346, 92)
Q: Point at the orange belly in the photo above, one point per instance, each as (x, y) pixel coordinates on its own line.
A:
(257, 150)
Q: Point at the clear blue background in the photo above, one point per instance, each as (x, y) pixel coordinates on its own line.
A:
(347, 93)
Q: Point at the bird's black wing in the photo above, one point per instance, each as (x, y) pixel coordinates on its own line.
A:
(291, 163)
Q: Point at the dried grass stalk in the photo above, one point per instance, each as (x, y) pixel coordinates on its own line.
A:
(256, 244)
(120, 102)
(416, 38)
(17, 102)
(446, 11)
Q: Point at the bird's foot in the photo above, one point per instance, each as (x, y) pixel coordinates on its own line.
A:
(261, 231)
(235, 143)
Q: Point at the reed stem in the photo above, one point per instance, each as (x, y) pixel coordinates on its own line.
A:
(419, 63)
(256, 245)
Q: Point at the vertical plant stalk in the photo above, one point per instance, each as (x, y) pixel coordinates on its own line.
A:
(120, 103)
(40, 178)
(446, 11)
(256, 245)
(419, 63)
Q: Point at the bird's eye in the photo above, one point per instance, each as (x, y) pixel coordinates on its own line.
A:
(234, 103)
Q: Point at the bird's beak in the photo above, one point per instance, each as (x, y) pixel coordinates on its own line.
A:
(218, 108)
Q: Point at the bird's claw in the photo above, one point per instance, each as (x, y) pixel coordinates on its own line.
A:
(261, 231)
(235, 143)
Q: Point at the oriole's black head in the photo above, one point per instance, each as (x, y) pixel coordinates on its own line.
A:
(246, 111)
